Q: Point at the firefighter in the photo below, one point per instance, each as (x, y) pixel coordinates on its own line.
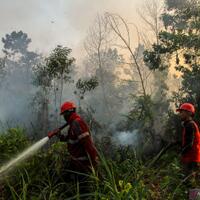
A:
(83, 154)
(190, 140)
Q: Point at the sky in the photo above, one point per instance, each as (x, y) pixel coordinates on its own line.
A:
(52, 22)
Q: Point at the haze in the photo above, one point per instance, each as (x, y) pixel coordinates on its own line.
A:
(52, 22)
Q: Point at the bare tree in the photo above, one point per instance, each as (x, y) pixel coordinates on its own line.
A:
(122, 31)
(97, 42)
(150, 13)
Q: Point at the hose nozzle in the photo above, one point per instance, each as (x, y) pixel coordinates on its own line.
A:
(52, 133)
(56, 131)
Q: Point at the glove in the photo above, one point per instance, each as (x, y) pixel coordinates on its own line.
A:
(54, 132)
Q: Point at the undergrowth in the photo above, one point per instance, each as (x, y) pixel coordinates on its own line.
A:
(41, 176)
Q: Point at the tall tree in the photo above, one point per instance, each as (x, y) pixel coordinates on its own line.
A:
(16, 50)
(121, 29)
(140, 115)
(60, 67)
(18, 62)
(97, 42)
(41, 100)
(150, 13)
(179, 43)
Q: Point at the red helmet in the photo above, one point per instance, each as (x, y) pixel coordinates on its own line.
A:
(67, 106)
(188, 107)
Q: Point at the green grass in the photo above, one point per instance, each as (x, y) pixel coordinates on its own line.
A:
(41, 176)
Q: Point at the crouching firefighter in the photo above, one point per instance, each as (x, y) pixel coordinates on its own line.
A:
(83, 154)
(190, 141)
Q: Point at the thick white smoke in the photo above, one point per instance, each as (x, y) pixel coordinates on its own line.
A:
(126, 138)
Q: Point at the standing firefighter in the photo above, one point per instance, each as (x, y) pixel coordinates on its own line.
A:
(83, 154)
(190, 140)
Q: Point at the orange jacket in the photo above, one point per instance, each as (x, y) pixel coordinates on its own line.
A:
(193, 153)
(80, 144)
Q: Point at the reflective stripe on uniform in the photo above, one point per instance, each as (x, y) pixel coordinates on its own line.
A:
(80, 158)
(83, 135)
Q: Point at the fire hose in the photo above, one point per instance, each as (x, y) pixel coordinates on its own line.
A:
(56, 131)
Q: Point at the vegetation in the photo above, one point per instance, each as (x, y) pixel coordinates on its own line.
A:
(41, 177)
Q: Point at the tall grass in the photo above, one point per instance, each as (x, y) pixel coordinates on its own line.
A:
(130, 177)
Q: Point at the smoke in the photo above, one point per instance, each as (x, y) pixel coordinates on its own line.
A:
(58, 22)
(15, 101)
(82, 13)
(126, 138)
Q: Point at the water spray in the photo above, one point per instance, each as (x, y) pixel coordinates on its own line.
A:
(28, 152)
